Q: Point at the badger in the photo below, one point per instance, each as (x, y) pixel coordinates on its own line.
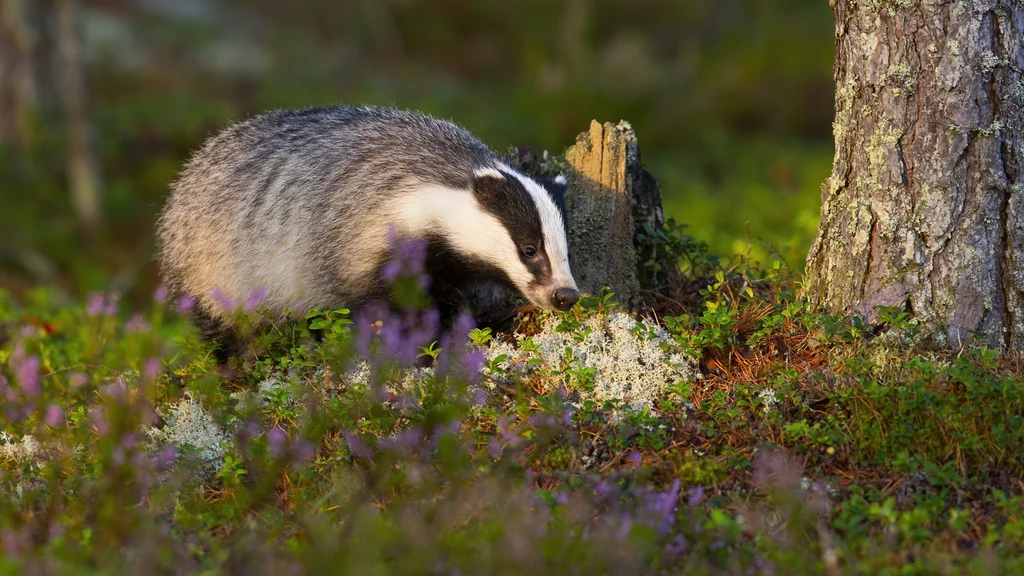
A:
(299, 205)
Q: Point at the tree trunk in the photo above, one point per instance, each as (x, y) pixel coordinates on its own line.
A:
(924, 209)
(82, 177)
(17, 78)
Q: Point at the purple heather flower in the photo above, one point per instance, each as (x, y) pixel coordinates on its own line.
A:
(27, 372)
(696, 496)
(118, 456)
(160, 294)
(219, 297)
(356, 446)
(391, 270)
(137, 324)
(116, 389)
(480, 397)
(406, 439)
(166, 456)
(634, 459)
(394, 345)
(453, 359)
(474, 362)
(10, 541)
(128, 441)
(603, 489)
(304, 450)
(561, 498)
(256, 298)
(54, 416)
(95, 305)
(250, 430)
(151, 368)
(408, 258)
(100, 422)
(665, 507)
(506, 435)
(186, 304)
(78, 379)
(677, 546)
(275, 441)
(625, 526)
(111, 308)
(494, 447)
(452, 428)
(567, 416)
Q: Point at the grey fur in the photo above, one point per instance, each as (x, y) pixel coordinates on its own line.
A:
(303, 197)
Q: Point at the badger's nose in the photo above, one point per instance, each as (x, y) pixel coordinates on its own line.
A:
(564, 298)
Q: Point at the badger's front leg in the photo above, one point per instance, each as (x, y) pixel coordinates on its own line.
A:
(227, 343)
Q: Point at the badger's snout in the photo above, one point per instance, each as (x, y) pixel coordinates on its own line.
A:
(564, 298)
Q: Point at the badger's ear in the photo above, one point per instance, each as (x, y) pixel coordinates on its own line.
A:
(489, 186)
(556, 189)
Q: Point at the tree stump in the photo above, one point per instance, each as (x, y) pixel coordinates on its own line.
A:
(609, 200)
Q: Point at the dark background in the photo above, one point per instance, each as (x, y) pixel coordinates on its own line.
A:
(731, 100)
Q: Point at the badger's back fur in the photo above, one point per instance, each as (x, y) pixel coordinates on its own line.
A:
(298, 204)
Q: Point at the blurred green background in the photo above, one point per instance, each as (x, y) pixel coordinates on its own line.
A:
(731, 100)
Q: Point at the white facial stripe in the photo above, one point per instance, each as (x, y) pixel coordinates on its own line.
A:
(553, 227)
(483, 172)
(458, 216)
(560, 179)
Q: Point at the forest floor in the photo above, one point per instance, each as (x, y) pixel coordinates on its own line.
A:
(729, 429)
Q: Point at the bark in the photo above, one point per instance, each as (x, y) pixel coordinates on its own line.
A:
(924, 208)
(82, 175)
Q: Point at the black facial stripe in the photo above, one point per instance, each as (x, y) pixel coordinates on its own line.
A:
(452, 272)
(508, 201)
(557, 193)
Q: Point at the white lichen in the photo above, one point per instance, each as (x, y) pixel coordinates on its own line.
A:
(768, 399)
(189, 425)
(25, 450)
(622, 358)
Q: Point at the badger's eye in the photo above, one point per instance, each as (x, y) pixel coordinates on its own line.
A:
(529, 251)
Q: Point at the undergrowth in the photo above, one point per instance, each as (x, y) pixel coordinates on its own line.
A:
(753, 435)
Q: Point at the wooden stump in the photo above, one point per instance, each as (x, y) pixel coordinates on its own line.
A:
(610, 198)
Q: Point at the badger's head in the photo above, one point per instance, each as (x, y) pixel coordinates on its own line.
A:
(521, 232)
